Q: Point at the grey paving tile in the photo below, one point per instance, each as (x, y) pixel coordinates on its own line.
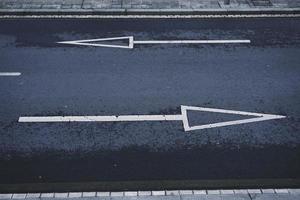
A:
(19, 196)
(199, 192)
(5, 196)
(274, 197)
(213, 192)
(75, 194)
(89, 194)
(158, 193)
(294, 191)
(144, 193)
(61, 195)
(117, 194)
(268, 191)
(254, 191)
(235, 197)
(284, 191)
(185, 192)
(33, 195)
(241, 191)
(200, 197)
(103, 194)
(227, 192)
(47, 195)
(172, 192)
(130, 193)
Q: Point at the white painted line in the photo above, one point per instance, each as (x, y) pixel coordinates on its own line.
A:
(180, 117)
(190, 41)
(132, 42)
(10, 73)
(147, 16)
(114, 118)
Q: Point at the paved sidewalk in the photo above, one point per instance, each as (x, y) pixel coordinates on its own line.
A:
(250, 194)
(127, 5)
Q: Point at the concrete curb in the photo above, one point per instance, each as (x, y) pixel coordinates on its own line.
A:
(221, 11)
(245, 192)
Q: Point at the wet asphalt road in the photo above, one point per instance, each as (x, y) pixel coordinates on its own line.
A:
(57, 79)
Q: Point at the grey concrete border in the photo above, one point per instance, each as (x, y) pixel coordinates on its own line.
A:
(232, 192)
(221, 11)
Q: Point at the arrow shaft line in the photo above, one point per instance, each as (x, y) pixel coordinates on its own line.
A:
(113, 118)
(189, 41)
(10, 73)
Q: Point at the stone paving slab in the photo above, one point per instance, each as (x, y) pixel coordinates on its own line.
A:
(145, 4)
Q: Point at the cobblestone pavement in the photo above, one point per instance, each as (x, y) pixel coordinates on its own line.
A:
(145, 4)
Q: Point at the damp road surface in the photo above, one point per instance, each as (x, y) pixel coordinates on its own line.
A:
(151, 81)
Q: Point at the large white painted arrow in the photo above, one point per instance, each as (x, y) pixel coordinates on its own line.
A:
(180, 117)
(102, 42)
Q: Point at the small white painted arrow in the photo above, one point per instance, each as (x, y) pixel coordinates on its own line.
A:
(132, 42)
(180, 117)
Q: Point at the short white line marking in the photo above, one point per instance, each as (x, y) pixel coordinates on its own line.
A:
(10, 73)
(132, 42)
(147, 16)
(180, 117)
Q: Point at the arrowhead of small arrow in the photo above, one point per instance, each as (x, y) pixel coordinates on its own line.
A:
(96, 42)
(256, 117)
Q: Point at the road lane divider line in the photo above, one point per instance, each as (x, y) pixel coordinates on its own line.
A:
(131, 42)
(256, 117)
(10, 73)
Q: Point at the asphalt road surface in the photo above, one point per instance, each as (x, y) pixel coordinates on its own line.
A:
(262, 76)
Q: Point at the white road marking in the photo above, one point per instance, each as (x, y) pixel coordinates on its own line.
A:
(10, 73)
(190, 41)
(180, 117)
(147, 16)
(132, 42)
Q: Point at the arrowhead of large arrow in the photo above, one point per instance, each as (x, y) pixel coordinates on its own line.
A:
(256, 117)
(104, 42)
